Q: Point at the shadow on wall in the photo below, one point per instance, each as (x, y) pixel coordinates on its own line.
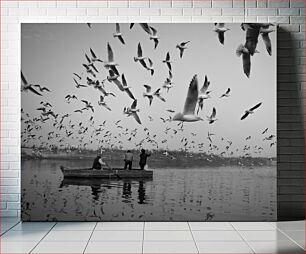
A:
(290, 128)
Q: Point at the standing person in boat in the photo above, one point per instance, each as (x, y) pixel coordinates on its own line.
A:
(98, 163)
(128, 159)
(143, 158)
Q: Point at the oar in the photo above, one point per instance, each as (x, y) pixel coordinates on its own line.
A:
(113, 170)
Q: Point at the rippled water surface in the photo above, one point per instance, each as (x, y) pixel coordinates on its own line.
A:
(197, 194)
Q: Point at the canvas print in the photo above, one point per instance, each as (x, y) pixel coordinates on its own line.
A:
(148, 122)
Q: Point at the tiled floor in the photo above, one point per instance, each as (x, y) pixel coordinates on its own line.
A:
(152, 237)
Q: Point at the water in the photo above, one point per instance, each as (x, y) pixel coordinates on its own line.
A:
(197, 194)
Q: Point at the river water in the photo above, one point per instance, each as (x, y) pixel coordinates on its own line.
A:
(193, 194)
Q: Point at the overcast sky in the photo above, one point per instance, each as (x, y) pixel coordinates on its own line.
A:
(52, 52)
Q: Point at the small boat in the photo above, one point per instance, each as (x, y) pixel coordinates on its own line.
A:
(114, 173)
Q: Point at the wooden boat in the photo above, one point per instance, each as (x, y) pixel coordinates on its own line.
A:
(114, 173)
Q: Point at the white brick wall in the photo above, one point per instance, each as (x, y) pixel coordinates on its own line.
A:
(290, 13)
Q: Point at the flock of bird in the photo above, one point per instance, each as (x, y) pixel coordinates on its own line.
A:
(194, 102)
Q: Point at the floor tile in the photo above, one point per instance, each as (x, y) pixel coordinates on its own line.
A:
(223, 247)
(63, 226)
(101, 236)
(169, 247)
(60, 247)
(216, 236)
(23, 236)
(225, 226)
(166, 226)
(33, 226)
(17, 247)
(69, 236)
(119, 226)
(273, 235)
(253, 226)
(297, 236)
(114, 247)
(276, 247)
(291, 225)
(9, 220)
(167, 236)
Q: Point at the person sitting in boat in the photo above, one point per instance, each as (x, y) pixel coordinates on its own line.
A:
(128, 159)
(143, 158)
(98, 163)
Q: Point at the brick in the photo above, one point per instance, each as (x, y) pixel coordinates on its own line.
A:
(18, 12)
(47, 4)
(262, 11)
(13, 205)
(128, 11)
(222, 3)
(202, 3)
(139, 4)
(182, 19)
(288, 28)
(92, 4)
(211, 11)
(37, 11)
(9, 4)
(66, 4)
(288, 11)
(9, 197)
(9, 181)
(121, 19)
(76, 11)
(160, 4)
(297, 19)
(182, 3)
(150, 12)
(297, 3)
(9, 173)
(250, 3)
(262, 3)
(118, 4)
(192, 11)
(92, 12)
(108, 11)
(172, 11)
(10, 189)
(238, 3)
(233, 12)
(262, 19)
(9, 213)
(56, 12)
(160, 19)
(278, 3)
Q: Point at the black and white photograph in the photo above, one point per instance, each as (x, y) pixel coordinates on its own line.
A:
(148, 122)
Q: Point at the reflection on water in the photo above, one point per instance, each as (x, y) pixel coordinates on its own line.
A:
(199, 194)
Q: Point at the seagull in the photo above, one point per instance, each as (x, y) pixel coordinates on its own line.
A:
(220, 29)
(41, 89)
(168, 83)
(149, 68)
(69, 97)
(144, 26)
(126, 87)
(149, 94)
(27, 87)
(132, 111)
(87, 106)
(79, 111)
(77, 75)
(265, 131)
(154, 37)
(98, 86)
(89, 25)
(78, 85)
(250, 111)
(94, 58)
(103, 103)
(113, 77)
(167, 61)
(265, 36)
(140, 57)
(226, 94)
(190, 103)
(91, 63)
(111, 63)
(246, 58)
(204, 94)
(182, 46)
(118, 34)
(89, 70)
(212, 117)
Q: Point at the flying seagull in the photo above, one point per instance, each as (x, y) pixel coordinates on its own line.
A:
(103, 103)
(167, 61)
(204, 94)
(250, 111)
(220, 29)
(246, 59)
(190, 103)
(144, 26)
(212, 117)
(149, 94)
(118, 34)
(226, 94)
(132, 111)
(27, 87)
(140, 57)
(265, 36)
(113, 77)
(94, 57)
(154, 37)
(126, 87)
(111, 63)
(182, 46)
